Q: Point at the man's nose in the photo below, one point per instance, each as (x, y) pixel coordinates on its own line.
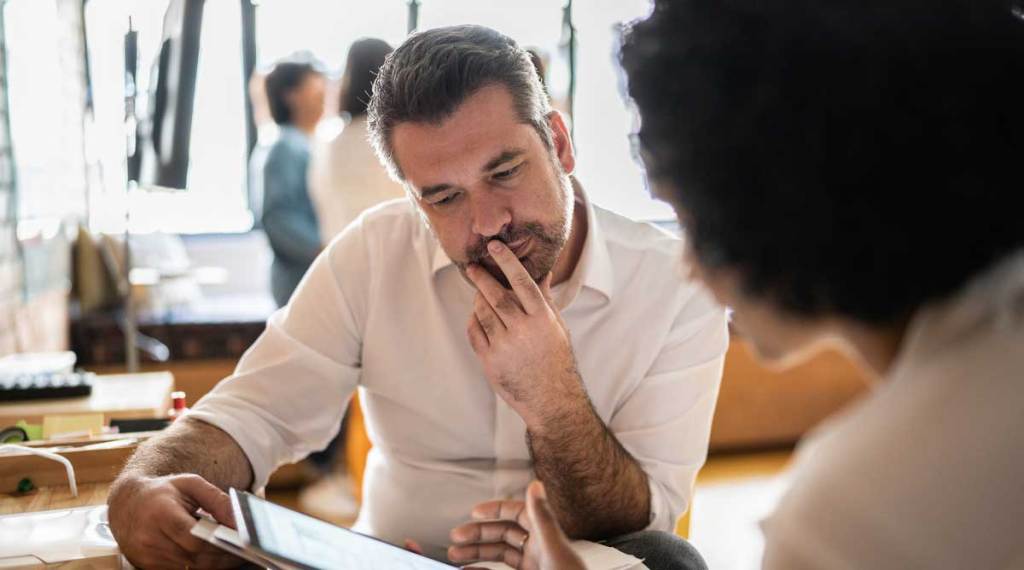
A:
(490, 217)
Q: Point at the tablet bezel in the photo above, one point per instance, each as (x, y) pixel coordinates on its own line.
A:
(243, 516)
(247, 531)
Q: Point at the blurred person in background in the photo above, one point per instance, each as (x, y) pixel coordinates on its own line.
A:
(295, 94)
(346, 177)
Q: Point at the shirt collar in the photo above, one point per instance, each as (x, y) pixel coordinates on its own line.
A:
(593, 270)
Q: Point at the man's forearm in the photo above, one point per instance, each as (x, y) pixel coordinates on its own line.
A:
(597, 488)
(193, 446)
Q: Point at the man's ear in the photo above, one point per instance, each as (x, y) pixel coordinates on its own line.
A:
(562, 142)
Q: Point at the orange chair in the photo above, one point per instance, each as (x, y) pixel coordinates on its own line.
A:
(357, 447)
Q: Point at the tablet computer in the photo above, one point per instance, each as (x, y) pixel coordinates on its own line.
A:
(302, 541)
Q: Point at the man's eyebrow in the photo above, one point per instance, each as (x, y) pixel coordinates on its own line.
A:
(502, 158)
(435, 189)
(505, 156)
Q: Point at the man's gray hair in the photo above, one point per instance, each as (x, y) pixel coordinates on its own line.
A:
(434, 71)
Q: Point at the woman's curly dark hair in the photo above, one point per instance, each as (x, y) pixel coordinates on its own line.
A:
(845, 157)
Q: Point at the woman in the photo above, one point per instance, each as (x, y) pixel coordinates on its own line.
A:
(346, 177)
(295, 93)
(844, 173)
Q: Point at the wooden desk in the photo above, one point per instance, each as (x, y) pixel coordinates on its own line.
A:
(95, 460)
(116, 396)
(56, 497)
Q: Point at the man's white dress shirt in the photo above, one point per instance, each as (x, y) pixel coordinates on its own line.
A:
(384, 310)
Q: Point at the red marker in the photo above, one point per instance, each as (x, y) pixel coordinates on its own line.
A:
(178, 407)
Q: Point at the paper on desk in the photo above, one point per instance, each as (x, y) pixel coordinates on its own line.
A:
(595, 557)
(76, 537)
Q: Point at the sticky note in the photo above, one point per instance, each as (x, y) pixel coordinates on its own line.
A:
(83, 424)
(34, 431)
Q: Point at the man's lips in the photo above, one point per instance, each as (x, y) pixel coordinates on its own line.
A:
(520, 248)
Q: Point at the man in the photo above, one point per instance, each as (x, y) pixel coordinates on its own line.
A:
(500, 328)
(846, 171)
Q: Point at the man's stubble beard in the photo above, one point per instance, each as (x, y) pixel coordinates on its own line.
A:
(547, 240)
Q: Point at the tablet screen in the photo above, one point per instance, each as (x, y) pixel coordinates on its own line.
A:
(286, 534)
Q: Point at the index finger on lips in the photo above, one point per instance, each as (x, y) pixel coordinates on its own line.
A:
(522, 282)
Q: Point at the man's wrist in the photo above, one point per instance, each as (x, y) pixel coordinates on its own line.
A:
(126, 485)
(125, 480)
(571, 411)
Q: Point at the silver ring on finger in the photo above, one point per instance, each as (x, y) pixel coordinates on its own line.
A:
(522, 543)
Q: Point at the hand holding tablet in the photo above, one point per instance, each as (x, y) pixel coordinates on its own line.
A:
(276, 537)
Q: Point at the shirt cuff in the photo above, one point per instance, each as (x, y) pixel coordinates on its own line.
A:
(663, 516)
(259, 460)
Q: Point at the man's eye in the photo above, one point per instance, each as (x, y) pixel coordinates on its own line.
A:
(506, 174)
(446, 200)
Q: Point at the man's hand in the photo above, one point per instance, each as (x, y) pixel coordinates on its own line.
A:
(522, 535)
(151, 519)
(522, 341)
(597, 488)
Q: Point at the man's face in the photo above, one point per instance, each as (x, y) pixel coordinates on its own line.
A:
(482, 175)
